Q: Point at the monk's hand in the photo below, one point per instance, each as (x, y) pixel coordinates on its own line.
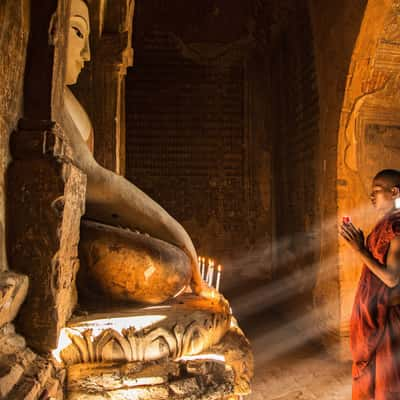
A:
(353, 236)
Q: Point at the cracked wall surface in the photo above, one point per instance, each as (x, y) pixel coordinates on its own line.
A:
(14, 29)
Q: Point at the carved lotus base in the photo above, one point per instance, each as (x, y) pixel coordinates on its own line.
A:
(222, 372)
(188, 348)
(128, 266)
(186, 326)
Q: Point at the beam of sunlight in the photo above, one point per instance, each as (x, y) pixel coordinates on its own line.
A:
(277, 291)
(279, 341)
(297, 280)
(287, 250)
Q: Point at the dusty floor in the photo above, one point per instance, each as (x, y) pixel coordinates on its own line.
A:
(288, 365)
(303, 374)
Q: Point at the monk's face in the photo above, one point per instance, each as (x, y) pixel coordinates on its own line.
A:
(78, 50)
(383, 194)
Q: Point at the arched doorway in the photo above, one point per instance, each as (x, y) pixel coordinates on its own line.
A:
(368, 136)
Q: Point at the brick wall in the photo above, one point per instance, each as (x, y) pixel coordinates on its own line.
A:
(296, 141)
(185, 142)
(189, 144)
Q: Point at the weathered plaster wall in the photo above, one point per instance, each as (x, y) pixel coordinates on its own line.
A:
(14, 28)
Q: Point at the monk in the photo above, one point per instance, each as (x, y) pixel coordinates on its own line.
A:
(375, 320)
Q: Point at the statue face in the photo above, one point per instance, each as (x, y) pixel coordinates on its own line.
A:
(78, 41)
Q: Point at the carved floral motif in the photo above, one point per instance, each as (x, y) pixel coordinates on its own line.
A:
(147, 334)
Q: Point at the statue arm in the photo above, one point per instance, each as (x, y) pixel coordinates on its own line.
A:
(114, 200)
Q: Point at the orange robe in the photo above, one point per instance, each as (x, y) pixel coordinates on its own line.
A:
(375, 324)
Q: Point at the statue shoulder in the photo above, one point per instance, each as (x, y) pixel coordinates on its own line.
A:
(78, 115)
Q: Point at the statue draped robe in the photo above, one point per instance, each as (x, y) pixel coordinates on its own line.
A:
(375, 324)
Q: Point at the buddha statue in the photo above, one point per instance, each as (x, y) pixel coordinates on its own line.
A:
(190, 346)
(126, 265)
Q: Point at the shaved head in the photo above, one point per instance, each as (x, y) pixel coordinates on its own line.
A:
(390, 176)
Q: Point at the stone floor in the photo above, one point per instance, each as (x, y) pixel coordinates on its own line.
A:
(290, 364)
(303, 374)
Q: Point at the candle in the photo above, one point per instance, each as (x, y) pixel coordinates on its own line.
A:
(208, 271)
(201, 267)
(210, 282)
(219, 271)
(199, 262)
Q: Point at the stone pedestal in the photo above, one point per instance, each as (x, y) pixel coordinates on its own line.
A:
(187, 348)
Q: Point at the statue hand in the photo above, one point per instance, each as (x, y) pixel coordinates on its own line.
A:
(207, 292)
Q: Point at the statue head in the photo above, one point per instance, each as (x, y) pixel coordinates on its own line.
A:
(78, 50)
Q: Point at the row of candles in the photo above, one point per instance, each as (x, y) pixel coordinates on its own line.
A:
(208, 270)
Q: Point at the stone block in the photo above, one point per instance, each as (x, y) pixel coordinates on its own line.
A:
(9, 376)
(40, 370)
(10, 342)
(45, 201)
(27, 389)
(12, 368)
(13, 290)
(141, 393)
(51, 390)
(238, 355)
(185, 387)
(37, 377)
(111, 376)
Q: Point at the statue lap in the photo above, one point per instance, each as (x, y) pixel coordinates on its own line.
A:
(129, 266)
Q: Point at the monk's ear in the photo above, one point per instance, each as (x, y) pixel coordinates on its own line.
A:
(395, 191)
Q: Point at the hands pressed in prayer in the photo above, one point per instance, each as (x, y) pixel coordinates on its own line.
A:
(353, 236)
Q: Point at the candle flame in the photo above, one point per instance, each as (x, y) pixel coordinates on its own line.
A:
(219, 268)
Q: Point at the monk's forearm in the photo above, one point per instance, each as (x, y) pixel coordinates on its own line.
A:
(388, 277)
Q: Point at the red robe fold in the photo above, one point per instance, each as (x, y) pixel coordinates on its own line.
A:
(375, 324)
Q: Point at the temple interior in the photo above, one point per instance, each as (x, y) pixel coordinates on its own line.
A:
(173, 175)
